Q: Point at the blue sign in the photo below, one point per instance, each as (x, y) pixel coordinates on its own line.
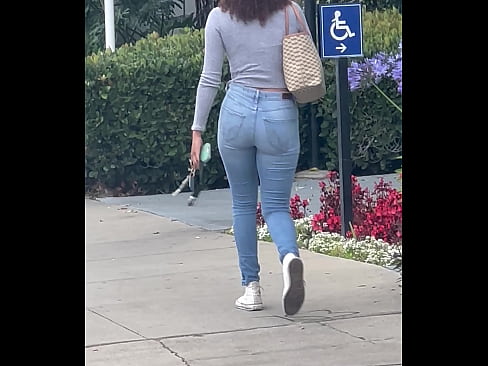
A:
(340, 29)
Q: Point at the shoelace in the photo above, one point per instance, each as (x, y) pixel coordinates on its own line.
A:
(259, 288)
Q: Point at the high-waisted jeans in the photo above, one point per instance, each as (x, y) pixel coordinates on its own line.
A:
(259, 144)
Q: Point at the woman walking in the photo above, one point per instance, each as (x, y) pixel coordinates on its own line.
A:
(258, 136)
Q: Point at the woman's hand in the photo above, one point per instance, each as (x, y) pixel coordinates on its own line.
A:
(196, 146)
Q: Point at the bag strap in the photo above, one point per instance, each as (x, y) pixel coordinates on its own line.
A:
(298, 17)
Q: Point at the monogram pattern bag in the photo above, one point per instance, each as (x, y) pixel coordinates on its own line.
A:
(302, 67)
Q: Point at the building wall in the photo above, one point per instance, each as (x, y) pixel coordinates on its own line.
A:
(188, 8)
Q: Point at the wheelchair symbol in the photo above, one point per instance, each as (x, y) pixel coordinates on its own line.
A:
(340, 25)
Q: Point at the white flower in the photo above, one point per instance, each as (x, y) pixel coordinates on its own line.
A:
(368, 250)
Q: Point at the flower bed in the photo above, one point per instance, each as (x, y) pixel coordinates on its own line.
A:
(367, 250)
(376, 235)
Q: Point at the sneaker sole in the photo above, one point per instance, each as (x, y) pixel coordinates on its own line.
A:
(294, 297)
(249, 307)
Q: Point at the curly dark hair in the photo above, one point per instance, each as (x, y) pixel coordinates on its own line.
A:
(247, 10)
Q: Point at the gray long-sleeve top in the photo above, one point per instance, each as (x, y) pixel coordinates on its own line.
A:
(254, 53)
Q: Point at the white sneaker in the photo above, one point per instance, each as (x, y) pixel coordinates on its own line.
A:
(251, 300)
(293, 284)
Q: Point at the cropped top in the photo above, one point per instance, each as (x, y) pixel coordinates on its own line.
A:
(254, 53)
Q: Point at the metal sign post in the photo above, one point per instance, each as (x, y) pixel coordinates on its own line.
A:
(341, 37)
(344, 136)
(311, 17)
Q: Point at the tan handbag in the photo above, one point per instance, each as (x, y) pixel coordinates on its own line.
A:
(302, 67)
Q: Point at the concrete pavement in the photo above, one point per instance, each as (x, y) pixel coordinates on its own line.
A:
(161, 292)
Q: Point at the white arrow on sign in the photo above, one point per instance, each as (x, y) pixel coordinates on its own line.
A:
(342, 47)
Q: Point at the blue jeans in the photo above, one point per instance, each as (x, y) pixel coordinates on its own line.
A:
(259, 144)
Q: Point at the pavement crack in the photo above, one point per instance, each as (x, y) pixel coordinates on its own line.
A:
(222, 332)
(326, 323)
(185, 362)
(333, 316)
(161, 275)
(103, 344)
(155, 254)
(140, 340)
(348, 333)
(117, 324)
(368, 315)
(292, 322)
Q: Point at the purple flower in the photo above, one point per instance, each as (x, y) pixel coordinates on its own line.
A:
(396, 74)
(373, 70)
(379, 67)
(354, 75)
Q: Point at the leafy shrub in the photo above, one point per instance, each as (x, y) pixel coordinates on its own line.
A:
(382, 31)
(139, 103)
(376, 214)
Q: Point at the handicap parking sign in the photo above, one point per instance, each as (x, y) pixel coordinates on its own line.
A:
(340, 29)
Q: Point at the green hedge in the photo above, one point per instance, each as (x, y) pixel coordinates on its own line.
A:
(369, 5)
(139, 104)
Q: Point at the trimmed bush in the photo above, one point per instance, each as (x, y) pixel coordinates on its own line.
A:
(139, 104)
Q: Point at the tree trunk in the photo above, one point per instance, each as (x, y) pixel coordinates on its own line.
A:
(202, 9)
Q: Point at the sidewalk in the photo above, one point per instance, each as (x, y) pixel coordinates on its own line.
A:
(161, 292)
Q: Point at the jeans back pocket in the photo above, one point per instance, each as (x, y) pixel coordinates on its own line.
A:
(230, 123)
(282, 134)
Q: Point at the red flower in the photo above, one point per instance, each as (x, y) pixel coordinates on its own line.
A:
(377, 213)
